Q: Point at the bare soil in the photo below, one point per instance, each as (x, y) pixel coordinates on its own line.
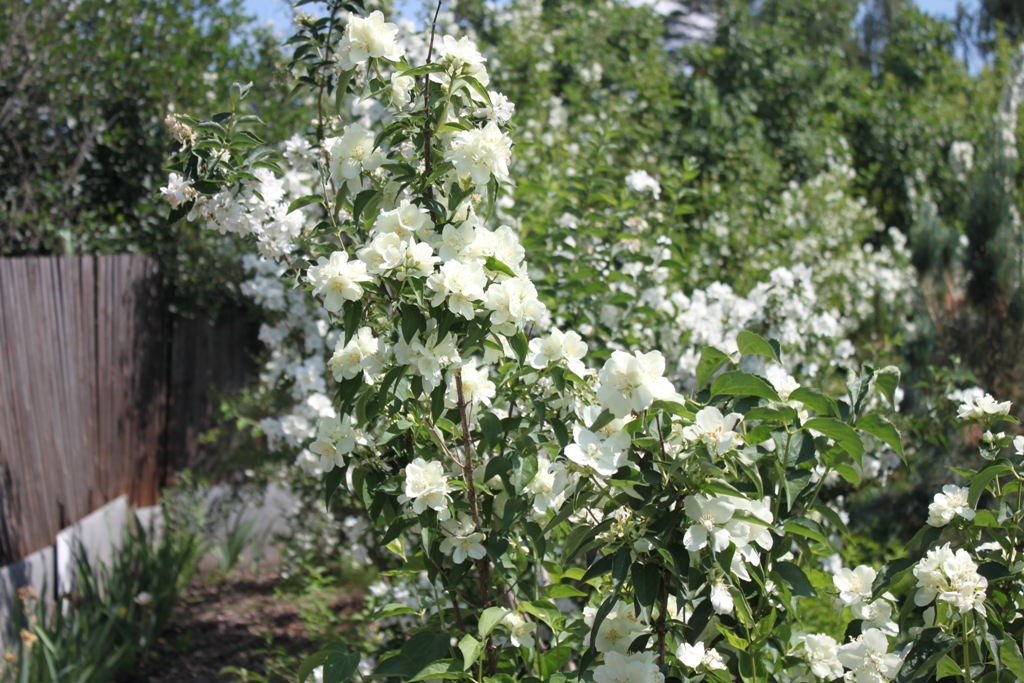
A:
(236, 623)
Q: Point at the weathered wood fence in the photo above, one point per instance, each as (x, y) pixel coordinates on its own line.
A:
(102, 391)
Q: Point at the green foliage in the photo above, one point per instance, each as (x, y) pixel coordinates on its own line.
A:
(85, 89)
(112, 618)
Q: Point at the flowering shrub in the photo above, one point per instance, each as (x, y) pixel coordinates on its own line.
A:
(557, 505)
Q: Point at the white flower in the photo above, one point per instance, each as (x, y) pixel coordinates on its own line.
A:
(557, 346)
(633, 382)
(338, 280)
(549, 486)
(721, 598)
(1018, 445)
(428, 358)
(406, 220)
(144, 599)
(389, 254)
(335, 438)
(711, 515)
(513, 303)
(877, 614)
(427, 487)
(308, 463)
(463, 547)
(603, 452)
(694, 656)
(948, 504)
(977, 408)
(642, 181)
(868, 658)
(640, 667)
(481, 153)
(369, 38)
(520, 630)
(178, 190)
(950, 577)
(715, 430)
(461, 283)
(401, 90)
(476, 385)
(854, 584)
(353, 153)
(500, 110)
(463, 58)
(820, 651)
(619, 629)
(363, 353)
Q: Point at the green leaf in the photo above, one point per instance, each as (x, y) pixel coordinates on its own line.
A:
(816, 401)
(928, 649)
(392, 609)
(417, 652)
(801, 526)
(437, 401)
(490, 618)
(711, 359)
(740, 644)
(844, 435)
(339, 664)
(490, 425)
(646, 583)
(543, 610)
(887, 380)
(795, 578)
(361, 201)
(601, 421)
(443, 669)
(887, 575)
(413, 321)
(520, 346)
(495, 266)
(878, 426)
(1010, 653)
(982, 479)
(470, 648)
(753, 344)
(738, 383)
(795, 482)
(563, 590)
(332, 481)
(947, 668)
(834, 519)
(305, 201)
(352, 318)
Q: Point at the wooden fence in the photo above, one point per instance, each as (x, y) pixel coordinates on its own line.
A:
(102, 391)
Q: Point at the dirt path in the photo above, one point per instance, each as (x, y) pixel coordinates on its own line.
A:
(235, 623)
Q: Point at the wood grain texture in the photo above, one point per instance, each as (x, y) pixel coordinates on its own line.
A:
(102, 390)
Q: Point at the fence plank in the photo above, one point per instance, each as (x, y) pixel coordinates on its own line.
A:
(99, 394)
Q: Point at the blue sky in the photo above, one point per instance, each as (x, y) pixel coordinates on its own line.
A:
(276, 11)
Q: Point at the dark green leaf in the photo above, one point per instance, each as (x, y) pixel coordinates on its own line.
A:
(878, 426)
(844, 435)
(332, 481)
(711, 359)
(795, 578)
(887, 575)
(929, 647)
(753, 344)
(305, 201)
(981, 481)
(417, 652)
(738, 383)
(816, 401)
